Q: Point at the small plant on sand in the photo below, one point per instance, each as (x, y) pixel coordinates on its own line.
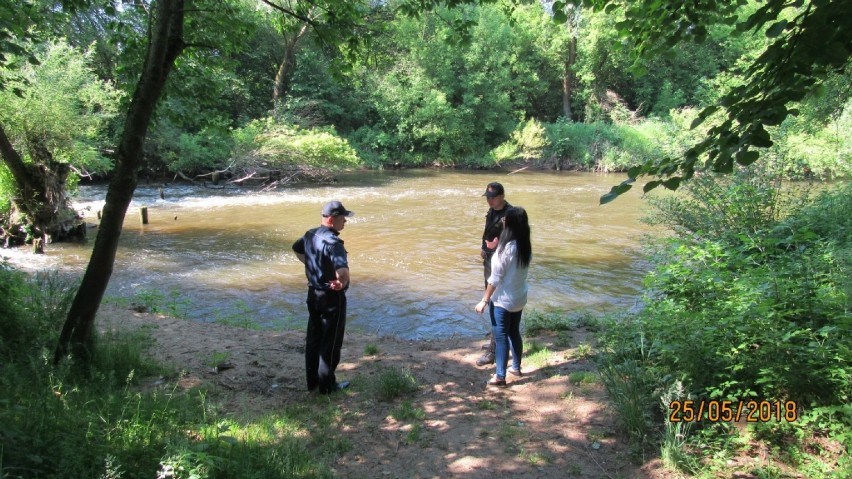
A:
(414, 434)
(582, 351)
(155, 301)
(582, 377)
(371, 350)
(536, 356)
(239, 316)
(538, 321)
(536, 458)
(217, 357)
(407, 412)
(513, 435)
(393, 383)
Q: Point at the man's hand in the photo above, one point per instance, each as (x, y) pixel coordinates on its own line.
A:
(342, 280)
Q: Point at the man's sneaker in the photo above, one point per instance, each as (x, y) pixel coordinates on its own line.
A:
(516, 372)
(337, 387)
(487, 358)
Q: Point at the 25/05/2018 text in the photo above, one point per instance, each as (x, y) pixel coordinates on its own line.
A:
(727, 411)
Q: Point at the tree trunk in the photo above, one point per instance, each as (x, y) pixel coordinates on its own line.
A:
(567, 78)
(41, 198)
(166, 43)
(288, 64)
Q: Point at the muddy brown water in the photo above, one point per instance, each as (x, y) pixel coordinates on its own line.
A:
(224, 254)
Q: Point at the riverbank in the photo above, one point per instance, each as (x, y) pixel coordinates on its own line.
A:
(553, 422)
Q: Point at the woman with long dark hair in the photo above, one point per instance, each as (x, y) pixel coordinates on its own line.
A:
(507, 288)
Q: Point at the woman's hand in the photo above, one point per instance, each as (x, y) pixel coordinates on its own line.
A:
(480, 307)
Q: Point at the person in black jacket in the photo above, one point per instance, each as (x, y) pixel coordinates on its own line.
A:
(495, 195)
(327, 270)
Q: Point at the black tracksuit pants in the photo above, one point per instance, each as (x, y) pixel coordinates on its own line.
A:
(326, 325)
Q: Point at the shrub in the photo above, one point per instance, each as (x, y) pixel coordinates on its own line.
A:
(394, 383)
(749, 299)
(528, 143)
(283, 146)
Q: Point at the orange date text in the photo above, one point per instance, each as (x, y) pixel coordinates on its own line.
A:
(733, 411)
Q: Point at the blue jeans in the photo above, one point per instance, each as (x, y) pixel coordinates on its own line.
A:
(506, 328)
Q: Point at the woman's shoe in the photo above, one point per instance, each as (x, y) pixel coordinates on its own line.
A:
(515, 372)
(495, 381)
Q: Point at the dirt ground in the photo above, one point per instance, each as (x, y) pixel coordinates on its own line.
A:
(542, 425)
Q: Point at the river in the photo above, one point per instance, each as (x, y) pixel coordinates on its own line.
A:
(224, 254)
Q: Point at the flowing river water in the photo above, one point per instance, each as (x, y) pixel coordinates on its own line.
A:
(224, 254)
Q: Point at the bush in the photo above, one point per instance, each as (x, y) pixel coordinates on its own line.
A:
(14, 333)
(600, 146)
(283, 146)
(527, 143)
(749, 300)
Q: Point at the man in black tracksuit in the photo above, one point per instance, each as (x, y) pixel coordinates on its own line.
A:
(327, 270)
(497, 207)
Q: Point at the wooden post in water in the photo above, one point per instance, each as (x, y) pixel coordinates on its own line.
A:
(143, 215)
(215, 178)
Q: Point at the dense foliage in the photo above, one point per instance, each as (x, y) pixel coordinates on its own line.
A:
(750, 299)
(456, 86)
(63, 107)
(97, 421)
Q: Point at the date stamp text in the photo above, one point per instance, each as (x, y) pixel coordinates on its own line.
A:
(733, 411)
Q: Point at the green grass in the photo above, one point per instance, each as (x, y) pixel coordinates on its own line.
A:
(392, 383)
(583, 377)
(408, 412)
(559, 321)
(110, 420)
(371, 350)
(536, 356)
(582, 351)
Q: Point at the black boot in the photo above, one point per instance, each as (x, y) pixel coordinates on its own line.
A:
(488, 356)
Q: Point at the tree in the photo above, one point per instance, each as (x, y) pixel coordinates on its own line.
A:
(293, 30)
(39, 185)
(809, 41)
(56, 122)
(165, 45)
(166, 41)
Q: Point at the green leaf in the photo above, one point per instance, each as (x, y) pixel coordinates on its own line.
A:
(672, 183)
(650, 186)
(616, 191)
(776, 29)
(724, 164)
(747, 157)
(634, 171)
(760, 137)
(703, 116)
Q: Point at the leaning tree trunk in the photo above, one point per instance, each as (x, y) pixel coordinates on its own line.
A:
(165, 44)
(41, 197)
(568, 78)
(288, 64)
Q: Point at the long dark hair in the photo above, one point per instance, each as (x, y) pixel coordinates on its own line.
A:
(517, 228)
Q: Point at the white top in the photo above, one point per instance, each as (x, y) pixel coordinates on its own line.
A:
(509, 279)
